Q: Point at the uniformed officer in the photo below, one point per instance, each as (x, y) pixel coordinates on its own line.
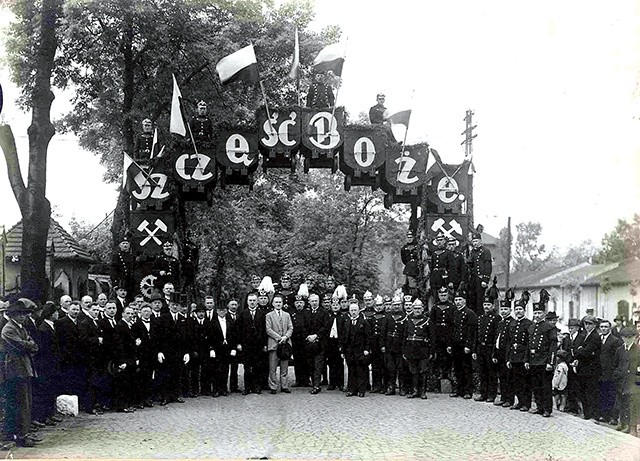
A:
(394, 342)
(417, 349)
(500, 352)
(442, 321)
(201, 125)
(167, 266)
(378, 114)
(540, 359)
(378, 322)
(463, 341)
(517, 343)
(441, 261)
(144, 141)
(320, 94)
(483, 354)
(255, 283)
(410, 256)
(458, 268)
(480, 268)
(287, 293)
(123, 265)
(300, 320)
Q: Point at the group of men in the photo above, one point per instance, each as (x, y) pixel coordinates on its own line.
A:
(120, 355)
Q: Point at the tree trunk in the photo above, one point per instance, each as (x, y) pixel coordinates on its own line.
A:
(34, 206)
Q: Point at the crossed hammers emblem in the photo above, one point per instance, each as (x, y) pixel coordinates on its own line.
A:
(144, 226)
(454, 226)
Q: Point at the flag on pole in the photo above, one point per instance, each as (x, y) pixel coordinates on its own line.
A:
(331, 57)
(176, 124)
(295, 65)
(130, 170)
(155, 142)
(472, 168)
(241, 65)
(399, 124)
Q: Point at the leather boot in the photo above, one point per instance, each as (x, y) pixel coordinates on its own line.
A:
(415, 391)
(423, 396)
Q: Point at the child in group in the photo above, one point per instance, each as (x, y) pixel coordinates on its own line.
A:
(560, 380)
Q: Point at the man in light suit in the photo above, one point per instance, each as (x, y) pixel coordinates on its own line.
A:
(279, 330)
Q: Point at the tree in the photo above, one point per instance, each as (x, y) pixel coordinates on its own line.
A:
(621, 244)
(528, 254)
(32, 48)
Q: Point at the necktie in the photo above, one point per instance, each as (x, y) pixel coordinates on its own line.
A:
(354, 322)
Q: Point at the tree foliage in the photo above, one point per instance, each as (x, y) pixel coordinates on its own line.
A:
(622, 243)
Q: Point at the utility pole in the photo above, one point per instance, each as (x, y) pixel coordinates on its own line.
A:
(508, 252)
(468, 155)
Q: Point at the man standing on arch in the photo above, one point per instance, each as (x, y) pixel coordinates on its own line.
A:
(480, 267)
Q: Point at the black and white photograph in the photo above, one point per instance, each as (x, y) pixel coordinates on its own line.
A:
(320, 229)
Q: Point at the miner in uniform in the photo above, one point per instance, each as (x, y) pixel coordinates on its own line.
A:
(442, 321)
(394, 342)
(201, 126)
(483, 354)
(458, 267)
(378, 321)
(517, 343)
(320, 94)
(440, 265)
(287, 293)
(123, 266)
(167, 266)
(407, 303)
(540, 359)
(410, 256)
(300, 320)
(417, 349)
(143, 142)
(463, 342)
(500, 349)
(480, 268)
(378, 113)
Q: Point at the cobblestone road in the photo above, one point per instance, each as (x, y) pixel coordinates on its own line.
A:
(329, 426)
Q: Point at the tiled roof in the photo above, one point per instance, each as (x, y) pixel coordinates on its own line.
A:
(583, 274)
(66, 247)
(620, 275)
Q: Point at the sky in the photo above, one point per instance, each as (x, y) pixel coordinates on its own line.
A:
(553, 85)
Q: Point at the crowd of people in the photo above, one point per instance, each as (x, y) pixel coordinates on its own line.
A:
(122, 356)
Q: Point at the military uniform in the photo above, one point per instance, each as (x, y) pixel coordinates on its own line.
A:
(540, 354)
(500, 348)
(517, 344)
(457, 268)
(410, 256)
(122, 269)
(320, 96)
(486, 340)
(480, 267)
(464, 337)
(417, 349)
(379, 376)
(394, 341)
(202, 129)
(171, 268)
(442, 321)
(440, 265)
(376, 114)
(142, 146)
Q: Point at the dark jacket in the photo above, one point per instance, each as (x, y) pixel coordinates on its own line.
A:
(625, 373)
(480, 265)
(442, 321)
(71, 350)
(543, 342)
(218, 344)
(173, 336)
(395, 334)
(487, 333)
(607, 357)
(501, 344)
(47, 359)
(518, 340)
(586, 350)
(356, 339)
(126, 349)
(147, 352)
(465, 324)
(418, 337)
(252, 333)
(319, 324)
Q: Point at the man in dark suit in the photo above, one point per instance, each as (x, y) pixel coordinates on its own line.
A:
(200, 349)
(234, 360)
(356, 345)
(586, 359)
(626, 375)
(480, 267)
(47, 362)
(517, 341)
(173, 351)
(223, 342)
(610, 344)
(19, 349)
(92, 340)
(146, 331)
(108, 326)
(316, 340)
(121, 298)
(252, 341)
(125, 363)
(334, 358)
(540, 359)
(72, 358)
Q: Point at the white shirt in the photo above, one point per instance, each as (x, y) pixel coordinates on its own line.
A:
(334, 328)
(223, 326)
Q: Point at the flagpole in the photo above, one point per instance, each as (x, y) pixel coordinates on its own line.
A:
(266, 106)
(335, 102)
(406, 132)
(147, 175)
